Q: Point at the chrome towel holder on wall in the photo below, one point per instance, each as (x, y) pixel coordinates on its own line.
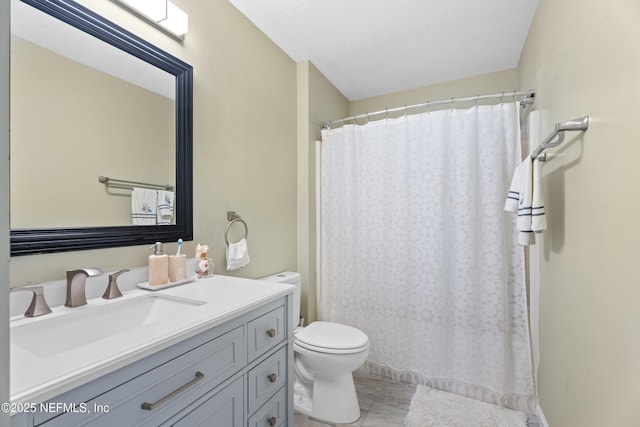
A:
(233, 217)
(576, 125)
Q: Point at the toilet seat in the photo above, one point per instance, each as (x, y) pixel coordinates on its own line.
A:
(329, 337)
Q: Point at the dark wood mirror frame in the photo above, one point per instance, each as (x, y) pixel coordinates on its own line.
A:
(48, 240)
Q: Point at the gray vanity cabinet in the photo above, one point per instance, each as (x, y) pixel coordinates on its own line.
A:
(235, 374)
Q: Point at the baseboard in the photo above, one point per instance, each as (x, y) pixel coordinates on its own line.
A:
(541, 419)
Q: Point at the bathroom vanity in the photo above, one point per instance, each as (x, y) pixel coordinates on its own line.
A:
(213, 352)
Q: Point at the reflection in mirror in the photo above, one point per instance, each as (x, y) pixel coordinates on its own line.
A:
(96, 123)
(81, 108)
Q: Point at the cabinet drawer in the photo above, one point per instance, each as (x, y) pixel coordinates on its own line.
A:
(168, 387)
(266, 378)
(265, 332)
(224, 408)
(273, 413)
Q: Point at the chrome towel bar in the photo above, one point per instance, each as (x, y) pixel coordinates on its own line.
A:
(575, 125)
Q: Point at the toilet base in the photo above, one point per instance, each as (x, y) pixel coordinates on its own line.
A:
(333, 399)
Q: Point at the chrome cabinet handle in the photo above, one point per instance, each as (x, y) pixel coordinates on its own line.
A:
(271, 332)
(150, 406)
(272, 378)
(272, 421)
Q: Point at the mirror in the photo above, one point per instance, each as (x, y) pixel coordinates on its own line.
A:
(159, 152)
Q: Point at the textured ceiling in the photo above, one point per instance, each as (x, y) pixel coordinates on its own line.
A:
(373, 47)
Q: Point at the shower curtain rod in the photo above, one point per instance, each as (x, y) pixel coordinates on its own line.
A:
(527, 98)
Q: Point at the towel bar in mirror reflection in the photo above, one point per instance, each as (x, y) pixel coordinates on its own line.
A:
(129, 185)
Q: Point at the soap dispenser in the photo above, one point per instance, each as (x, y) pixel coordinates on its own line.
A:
(158, 266)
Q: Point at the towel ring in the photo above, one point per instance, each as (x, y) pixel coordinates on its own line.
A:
(226, 232)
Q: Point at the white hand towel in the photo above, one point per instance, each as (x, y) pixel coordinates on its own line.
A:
(519, 201)
(144, 203)
(237, 255)
(538, 218)
(165, 207)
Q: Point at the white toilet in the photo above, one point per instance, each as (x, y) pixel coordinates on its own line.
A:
(325, 355)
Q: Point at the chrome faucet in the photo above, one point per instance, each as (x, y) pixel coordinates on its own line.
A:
(76, 279)
(38, 306)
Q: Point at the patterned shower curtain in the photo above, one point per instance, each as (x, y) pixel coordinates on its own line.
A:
(417, 251)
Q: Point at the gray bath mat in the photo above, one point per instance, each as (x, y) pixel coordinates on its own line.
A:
(435, 408)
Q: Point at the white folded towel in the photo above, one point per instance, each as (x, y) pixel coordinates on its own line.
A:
(525, 199)
(237, 255)
(538, 215)
(165, 207)
(144, 203)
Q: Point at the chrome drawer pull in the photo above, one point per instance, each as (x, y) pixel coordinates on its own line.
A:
(150, 406)
(272, 378)
(271, 332)
(272, 421)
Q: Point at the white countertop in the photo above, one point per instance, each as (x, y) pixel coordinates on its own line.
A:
(36, 379)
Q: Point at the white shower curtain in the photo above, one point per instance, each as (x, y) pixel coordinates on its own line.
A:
(418, 253)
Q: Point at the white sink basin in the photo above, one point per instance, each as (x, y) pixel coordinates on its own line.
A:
(87, 324)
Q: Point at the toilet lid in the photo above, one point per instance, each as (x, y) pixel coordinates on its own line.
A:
(333, 336)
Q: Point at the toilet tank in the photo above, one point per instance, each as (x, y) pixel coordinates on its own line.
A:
(292, 278)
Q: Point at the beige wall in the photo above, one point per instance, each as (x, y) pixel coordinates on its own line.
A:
(244, 144)
(318, 101)
(71, 146)
(582, 57)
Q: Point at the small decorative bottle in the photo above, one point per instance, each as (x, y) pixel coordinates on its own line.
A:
(204, 265)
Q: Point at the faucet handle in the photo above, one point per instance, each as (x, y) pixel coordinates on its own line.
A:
(112, 290)
(38, 306)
